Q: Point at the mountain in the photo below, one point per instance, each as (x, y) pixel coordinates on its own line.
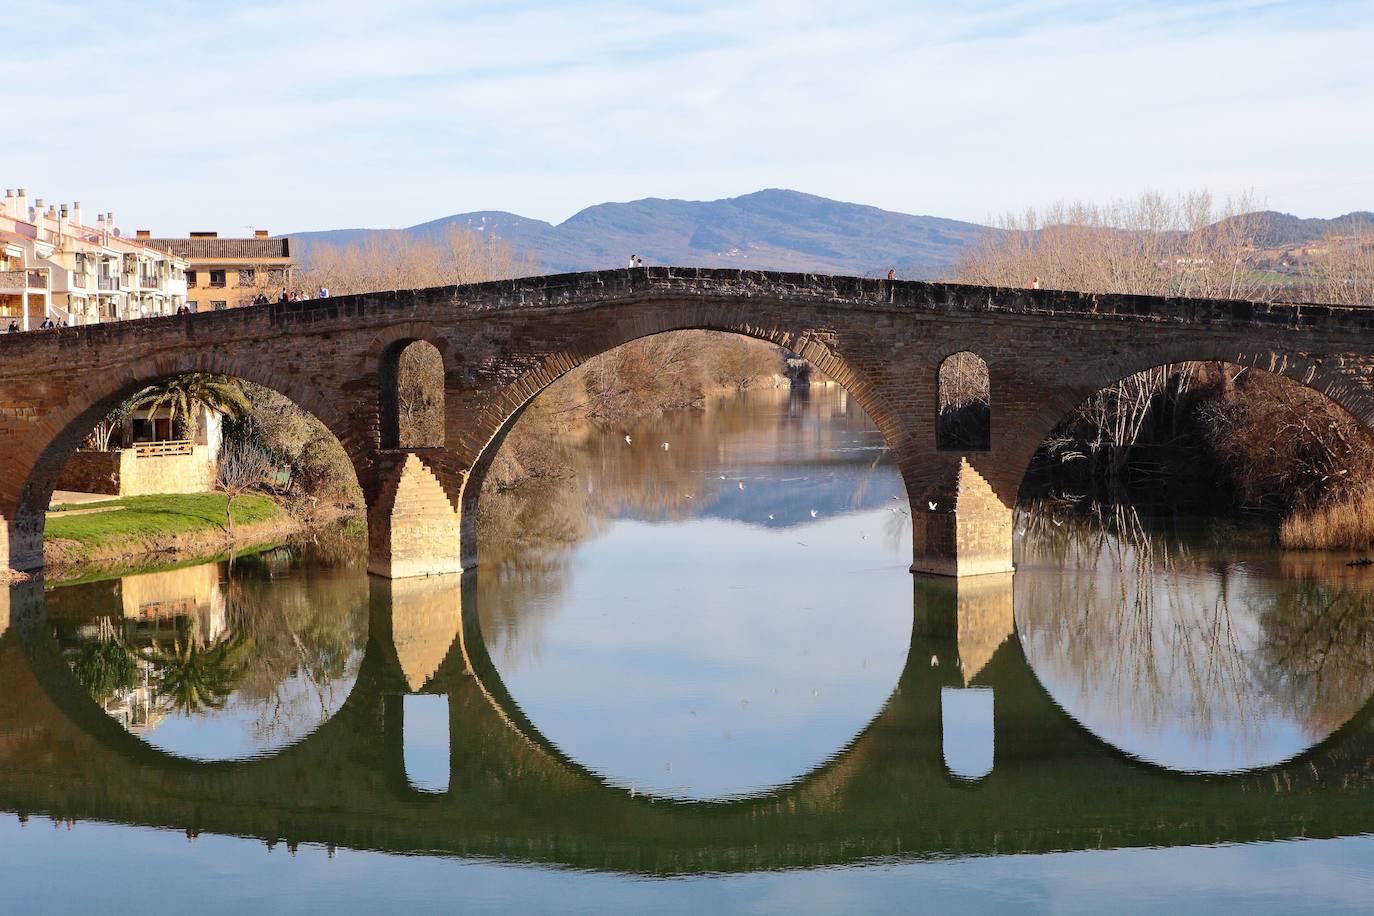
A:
(1283, 229)
(766, 230)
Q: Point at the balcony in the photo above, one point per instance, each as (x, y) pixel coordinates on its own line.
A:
(24, 279)
(151, 282)
(107, 284)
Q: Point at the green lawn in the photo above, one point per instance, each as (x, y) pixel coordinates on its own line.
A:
(145, 517)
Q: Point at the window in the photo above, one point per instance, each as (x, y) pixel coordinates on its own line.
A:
(216, 278)
(248, 277)
(193, 305)
(219, 305)
(964, 421)
(190, 278)
(276, 277)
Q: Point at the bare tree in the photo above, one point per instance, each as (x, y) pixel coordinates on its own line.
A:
(242, 468)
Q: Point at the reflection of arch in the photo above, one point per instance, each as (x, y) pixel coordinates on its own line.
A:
(403, 369)
(963, 403)
(499, 417)
(1054, 789)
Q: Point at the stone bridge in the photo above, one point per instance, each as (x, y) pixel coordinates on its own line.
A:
(503, 342)
(514, 796)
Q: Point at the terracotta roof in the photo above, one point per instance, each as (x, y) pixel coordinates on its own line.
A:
(223, 248)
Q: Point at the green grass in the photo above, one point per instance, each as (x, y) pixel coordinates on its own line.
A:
(147, 517)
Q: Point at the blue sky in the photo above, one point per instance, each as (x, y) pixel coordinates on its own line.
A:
(329, 113)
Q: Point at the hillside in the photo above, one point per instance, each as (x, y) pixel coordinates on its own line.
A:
(767, 230)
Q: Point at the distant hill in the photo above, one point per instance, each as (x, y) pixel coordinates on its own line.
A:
(767, 230)
(1284, 229)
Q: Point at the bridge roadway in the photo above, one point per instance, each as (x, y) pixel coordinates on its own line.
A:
(503, 342)
(515, 797)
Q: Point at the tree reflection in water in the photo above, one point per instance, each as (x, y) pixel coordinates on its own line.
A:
(260, 652)
(1198, 646)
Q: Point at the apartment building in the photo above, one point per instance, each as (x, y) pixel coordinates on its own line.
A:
(55, 267)
(229, 272)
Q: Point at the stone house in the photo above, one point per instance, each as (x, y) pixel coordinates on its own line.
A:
(227, 273)
(145, 458)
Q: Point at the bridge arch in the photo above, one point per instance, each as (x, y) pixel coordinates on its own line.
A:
(41, 460)
(1345, 384)
(499, 417)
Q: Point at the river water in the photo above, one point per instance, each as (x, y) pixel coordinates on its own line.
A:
(695, 674)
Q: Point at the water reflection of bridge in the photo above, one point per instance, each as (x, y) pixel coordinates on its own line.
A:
(513, 796)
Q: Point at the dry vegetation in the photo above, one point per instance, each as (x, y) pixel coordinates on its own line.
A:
(1270, 441)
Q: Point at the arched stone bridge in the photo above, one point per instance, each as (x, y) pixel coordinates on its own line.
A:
(503, 342)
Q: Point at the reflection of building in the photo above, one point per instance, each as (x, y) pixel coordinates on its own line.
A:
(53, 267)
(161, 607)
(228, 273)
(145, 456)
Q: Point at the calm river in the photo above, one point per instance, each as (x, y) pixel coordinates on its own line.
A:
(693, 676)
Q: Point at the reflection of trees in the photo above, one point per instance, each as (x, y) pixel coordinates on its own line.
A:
(281, 635)
(307, 633)
(1319, 649)
(529, 526)
(1159, 629)
(104, 667)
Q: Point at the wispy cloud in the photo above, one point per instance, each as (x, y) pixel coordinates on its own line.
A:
(315, 114)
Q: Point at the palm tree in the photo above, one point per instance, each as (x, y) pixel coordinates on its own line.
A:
(182, 393)
(193, 677)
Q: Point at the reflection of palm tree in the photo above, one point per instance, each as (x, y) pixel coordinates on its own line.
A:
(195, 677)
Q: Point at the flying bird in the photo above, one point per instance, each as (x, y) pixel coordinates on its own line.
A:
(628, 440)
(665, 446)
(933, 506)
(813, 513)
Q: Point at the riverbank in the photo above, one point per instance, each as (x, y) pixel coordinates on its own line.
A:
(144, 530)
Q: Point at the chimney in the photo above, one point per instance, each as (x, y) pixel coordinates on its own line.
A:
(7, 209)
(21, 204)
(62, 220)
(76, 212)
(142, 234)
(36, 210)
(259, 233)
(204, 235)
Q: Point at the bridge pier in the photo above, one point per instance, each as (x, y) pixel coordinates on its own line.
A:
(965, 532)
(412, 525)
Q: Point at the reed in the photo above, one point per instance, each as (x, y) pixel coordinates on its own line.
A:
(1346, 522)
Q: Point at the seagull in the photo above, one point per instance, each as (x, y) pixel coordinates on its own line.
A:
(933, 506)
(935, 661)
(1058, 523)
(687, 495)
(628, 440)
(722, 476)
(813, 513)
(665, 446)
(770, 516)
(740, 484)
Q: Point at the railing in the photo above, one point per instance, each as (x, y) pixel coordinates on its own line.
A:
(162, 449)
(13, 279)
(81, 279)
(107, 284)
(38, 278)
(146, 282)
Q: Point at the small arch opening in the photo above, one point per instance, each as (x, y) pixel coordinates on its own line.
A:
(964, 421)
(412, 396)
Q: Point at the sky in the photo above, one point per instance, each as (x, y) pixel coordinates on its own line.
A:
(293, 115)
